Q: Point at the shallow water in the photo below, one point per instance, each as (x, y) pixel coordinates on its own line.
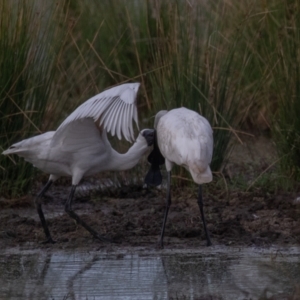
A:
(208, 273)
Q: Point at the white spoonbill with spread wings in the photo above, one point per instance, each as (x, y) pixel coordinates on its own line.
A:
(80, 147)
(185, 138)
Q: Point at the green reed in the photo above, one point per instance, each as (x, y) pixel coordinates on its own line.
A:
(26, 61)
(230, 61)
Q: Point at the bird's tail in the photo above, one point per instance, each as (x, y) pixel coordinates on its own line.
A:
(16, 148)
(12, 151)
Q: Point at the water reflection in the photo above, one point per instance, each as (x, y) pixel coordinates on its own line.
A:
(209, 274)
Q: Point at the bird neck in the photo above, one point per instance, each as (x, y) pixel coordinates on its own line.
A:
(125, 161)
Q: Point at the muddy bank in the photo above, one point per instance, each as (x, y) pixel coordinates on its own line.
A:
(134, 216)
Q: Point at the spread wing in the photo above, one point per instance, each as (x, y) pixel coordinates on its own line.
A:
(112, 110)
(80, 136)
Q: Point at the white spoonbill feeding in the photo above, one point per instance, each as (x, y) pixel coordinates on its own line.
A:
(80, 147)
(185, 138)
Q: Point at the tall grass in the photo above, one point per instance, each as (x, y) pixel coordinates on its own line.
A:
(227, 60)
(285, 64)
(27, 43)
(271, 33)
(99, 51)
(175, 49)
(200, 67)
(220, 59)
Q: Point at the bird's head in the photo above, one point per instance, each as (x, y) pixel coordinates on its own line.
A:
(158, 116)
(146, 135)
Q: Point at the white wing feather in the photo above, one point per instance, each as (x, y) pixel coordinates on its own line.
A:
(110, 110)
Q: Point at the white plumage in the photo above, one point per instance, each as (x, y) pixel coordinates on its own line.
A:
(113, 110)
(184, 138)
(80, 147)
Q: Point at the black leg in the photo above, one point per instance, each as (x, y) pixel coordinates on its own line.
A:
(200, 203)
(168, 204)
(38, 204)
(72, 214)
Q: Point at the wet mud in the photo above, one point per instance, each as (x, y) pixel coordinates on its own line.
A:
(133, 216)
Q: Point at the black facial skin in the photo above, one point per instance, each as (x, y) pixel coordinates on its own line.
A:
(148, 134)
